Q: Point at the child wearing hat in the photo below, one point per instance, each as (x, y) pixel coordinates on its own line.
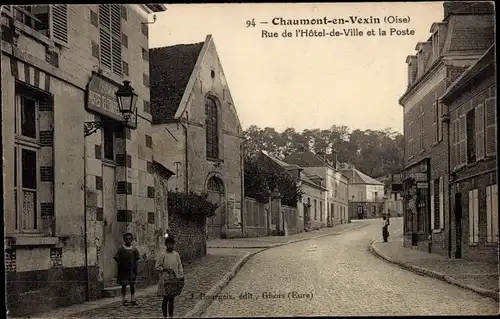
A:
(171, 279)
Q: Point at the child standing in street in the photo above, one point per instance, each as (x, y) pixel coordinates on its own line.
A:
(127, 259)
(171, 279)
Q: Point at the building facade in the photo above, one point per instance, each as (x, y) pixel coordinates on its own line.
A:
(471, 104)
(459, 40)
(198, 134)
(336, 184)
(393, 197)
(70, 196)
(366, 195)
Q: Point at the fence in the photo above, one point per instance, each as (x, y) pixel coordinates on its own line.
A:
(256, 218)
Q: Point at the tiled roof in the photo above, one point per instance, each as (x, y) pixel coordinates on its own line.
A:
(170, 70)
(357, 177)
(305, 159)
(474, 70)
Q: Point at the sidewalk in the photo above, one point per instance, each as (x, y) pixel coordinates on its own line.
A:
(480, 277)
(202, 275)
(275, 241)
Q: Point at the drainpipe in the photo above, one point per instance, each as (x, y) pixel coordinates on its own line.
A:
(449, 185)
(87, 276)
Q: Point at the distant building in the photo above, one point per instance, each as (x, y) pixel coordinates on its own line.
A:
(198, 134)
(471, 103)
(310, 209)
(366, 194)
(321, 168)
(458, 41)
(393, 194)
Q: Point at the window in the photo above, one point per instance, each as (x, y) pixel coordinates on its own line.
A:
(376, 196)
(479, 128)
(490, 126)
(49, 20)
(435, 108)
(471, 137)
(145, 80)
(315, 211)
(110, 37)
(459, 152)
(26, 166)
(473, 217)
(441, 203)
(124, 40)
(332, 212)
(435, 45)
(492, 214)
(125, 68)
(321, 210)
(435, 204)
(109, 142)
(211, 123)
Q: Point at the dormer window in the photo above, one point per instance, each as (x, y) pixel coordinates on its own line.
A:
(420, 62)
(435, 45)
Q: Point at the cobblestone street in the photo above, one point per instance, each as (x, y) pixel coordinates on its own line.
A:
(200, 276)
(338, 276)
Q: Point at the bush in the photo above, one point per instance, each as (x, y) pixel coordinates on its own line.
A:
(261, 179)
(191, 206)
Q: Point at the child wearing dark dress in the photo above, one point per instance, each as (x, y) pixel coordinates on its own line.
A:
(127, 259)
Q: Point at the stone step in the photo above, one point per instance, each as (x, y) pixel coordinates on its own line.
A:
(114, 291)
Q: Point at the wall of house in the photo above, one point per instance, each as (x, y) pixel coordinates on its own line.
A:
(478, 175)
(58, 256)
(311, 193)
(230, 167)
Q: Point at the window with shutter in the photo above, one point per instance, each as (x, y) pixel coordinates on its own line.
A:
(110, 37)
(49, 20)
(492, 214)
(433, 211)
(463, 140)
(479, 131)
(439, 123)
(473, 213)
(441, 202)
(59, 30)
(490, 126)
(453, 163)
(471, 136)
(436, 121)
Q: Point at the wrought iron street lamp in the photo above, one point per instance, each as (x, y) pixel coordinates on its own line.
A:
(126, 99)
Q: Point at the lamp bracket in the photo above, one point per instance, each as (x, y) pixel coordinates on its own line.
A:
(90, 128)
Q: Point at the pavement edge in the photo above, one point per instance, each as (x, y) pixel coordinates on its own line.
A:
(434, 274)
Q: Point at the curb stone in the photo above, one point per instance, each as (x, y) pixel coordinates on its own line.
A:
(434, 274)
(202, 305)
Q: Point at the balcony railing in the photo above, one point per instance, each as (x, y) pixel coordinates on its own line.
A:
(35, 17)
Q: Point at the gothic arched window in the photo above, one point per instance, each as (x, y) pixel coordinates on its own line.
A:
(211, 127)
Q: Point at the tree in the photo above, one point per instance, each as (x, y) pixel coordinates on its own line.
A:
(374, 152)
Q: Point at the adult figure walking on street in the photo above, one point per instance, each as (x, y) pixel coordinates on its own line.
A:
(385, 228)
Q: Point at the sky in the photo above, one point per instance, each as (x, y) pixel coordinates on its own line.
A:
(306, 82)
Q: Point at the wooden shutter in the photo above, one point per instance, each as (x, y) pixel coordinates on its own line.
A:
(436, 121)
(453, 163)
(471, 216)
(490, 127)
(105, 35)
(494, 213)
(59, 22)
(463, 140)
(433, 211)
(441, 202)
(479, 118)
(489, 215)
(116, 37)
(439, 124)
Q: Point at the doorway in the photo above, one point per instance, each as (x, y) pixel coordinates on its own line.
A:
(109, 243)
(215, 189)
(458, 225)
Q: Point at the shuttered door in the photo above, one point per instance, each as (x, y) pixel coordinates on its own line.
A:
(105, 35)
(116, 37)
(60, 22)
(489, 215)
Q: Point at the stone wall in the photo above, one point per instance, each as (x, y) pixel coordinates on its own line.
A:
(190, 237)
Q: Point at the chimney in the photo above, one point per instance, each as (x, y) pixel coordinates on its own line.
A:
(411, 60)
(467, 8)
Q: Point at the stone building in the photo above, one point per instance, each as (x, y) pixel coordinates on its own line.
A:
(471, 104)
(459, 40)
(69, 197)
(336, 196)
(310, 208)
(366, 195)
(198, 134)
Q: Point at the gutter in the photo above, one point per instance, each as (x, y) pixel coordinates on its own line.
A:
(449, 187)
